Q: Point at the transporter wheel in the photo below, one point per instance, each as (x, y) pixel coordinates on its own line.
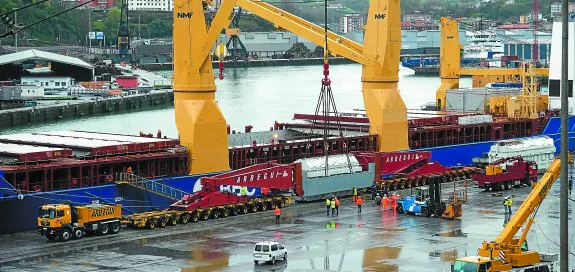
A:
(115, 227)
(195, 217)
(282, 204)
(205, 215)
(151, 224)
(499, 186)
(243, 209)
(78, 233)
(507, 185)
(173, 220)
(185, 218)
(65, 235)
(104, 229)
(225, 212)
(264, 206)
(254, 208)
(272, 205)
(216, 214)
(162, 222)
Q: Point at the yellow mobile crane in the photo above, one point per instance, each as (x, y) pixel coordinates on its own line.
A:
(450, 69)
(200, 122)
(507, 253)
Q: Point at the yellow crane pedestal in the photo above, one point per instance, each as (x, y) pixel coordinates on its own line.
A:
(200, 122)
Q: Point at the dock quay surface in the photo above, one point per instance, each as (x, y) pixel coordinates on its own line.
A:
(61, 110)
(253, 63)
(370, 241)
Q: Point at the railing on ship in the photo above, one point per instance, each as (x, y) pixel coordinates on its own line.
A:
(151, 185)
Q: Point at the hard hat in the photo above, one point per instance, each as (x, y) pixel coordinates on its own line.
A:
(377, 193)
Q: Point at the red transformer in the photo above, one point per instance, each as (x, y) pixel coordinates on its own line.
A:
(496, 178)
(405, 169)
(221, 194)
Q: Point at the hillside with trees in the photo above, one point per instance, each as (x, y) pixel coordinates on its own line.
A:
(72, 28)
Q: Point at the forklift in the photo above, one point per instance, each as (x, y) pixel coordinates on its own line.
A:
(427, 201)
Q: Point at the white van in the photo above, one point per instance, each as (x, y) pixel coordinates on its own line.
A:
(269, 252)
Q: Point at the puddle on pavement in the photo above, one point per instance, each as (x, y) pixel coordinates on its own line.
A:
(205, 261)
(445, 256)
(487, 211)
(452, 233)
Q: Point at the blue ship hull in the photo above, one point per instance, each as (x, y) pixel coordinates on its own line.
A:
(19, 212)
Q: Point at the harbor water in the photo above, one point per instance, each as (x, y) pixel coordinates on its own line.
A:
(258, 96)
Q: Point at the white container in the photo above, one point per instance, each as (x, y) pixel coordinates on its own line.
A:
(539, 149)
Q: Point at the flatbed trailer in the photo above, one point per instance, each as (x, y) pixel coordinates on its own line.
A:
(172, 217)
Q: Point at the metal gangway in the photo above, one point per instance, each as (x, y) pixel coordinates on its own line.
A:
(150, 186)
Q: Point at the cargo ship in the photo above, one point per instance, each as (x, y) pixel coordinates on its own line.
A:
(49, 167)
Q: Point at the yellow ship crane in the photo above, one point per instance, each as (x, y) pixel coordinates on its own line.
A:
(450, 63)
(506, 253)
(200, 122)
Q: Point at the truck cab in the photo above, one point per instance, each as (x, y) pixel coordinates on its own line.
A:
(52, 218)
(471, 264)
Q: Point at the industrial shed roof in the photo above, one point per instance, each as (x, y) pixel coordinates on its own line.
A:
(37, 54)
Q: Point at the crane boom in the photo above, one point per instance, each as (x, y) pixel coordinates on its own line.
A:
(506, 252)
(200, 122)
(338, 45)
(530, 204)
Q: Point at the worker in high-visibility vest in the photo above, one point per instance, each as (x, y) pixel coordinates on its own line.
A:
(278, 213)
(337, 206)
(385, 202)
(327, 205)
(393, 200)
(507, 204)
(244, 191)
(359, 202)
(354, 194)
(332, 204)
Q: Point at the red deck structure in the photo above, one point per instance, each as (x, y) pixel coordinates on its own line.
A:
(72, 159)
(26, 153)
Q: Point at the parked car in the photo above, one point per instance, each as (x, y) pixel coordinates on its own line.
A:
(269, 251)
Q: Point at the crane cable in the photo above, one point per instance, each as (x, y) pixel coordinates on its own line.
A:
(326, 81)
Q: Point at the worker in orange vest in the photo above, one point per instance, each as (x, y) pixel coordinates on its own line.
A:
(394, 199)
(359, 202)
(385, 202)
(129, 170)
(277, 212)
(337, 206)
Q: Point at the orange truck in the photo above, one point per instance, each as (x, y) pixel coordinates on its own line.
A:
(65, 221)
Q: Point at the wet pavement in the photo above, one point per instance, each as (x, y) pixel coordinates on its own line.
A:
(371, 241)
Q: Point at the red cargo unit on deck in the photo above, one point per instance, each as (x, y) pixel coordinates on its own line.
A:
(127, 82)
(30, 153)
(266, 175)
